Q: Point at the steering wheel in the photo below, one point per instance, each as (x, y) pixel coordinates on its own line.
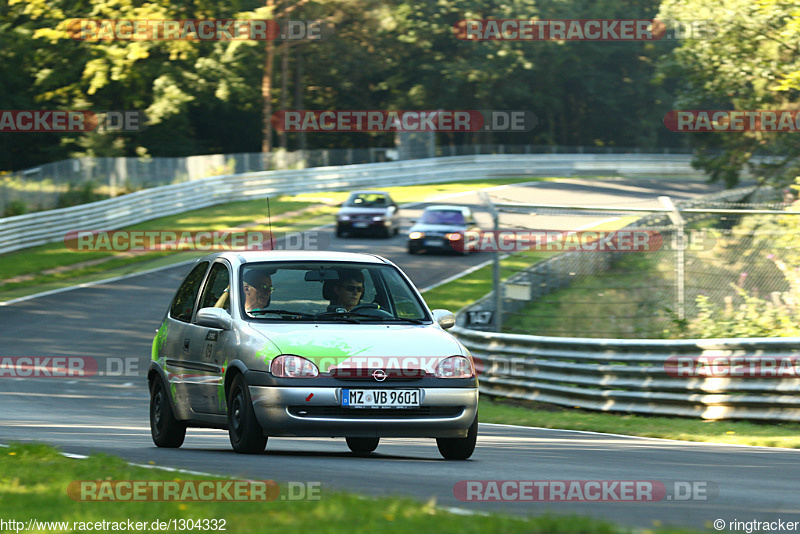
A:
(371, 306)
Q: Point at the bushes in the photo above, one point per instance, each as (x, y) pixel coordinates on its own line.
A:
(78, 194)
(15, 207)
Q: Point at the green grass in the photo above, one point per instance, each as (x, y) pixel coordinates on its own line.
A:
(633, 298)
(34, 481)
(526, 413)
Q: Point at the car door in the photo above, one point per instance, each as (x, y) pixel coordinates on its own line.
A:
(176, 348)
(205, 362)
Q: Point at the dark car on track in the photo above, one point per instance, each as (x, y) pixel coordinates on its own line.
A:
(368, 212)
(444, 228)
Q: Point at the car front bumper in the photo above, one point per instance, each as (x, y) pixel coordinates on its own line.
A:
(317, 411)
(363, 226)
(436, 243)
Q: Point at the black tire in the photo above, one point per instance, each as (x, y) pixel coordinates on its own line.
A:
(339, 231)
(413, 250)
(362, 445)
(167, 431)
(246, 435)
(459, 448)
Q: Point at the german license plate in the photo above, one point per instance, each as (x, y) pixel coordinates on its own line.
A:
(380, 398)
(360, 225)
(432, 242)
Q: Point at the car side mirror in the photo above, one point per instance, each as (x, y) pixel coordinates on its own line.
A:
(444, 318)
(214, 318)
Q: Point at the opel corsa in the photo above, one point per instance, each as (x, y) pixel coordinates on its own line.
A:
(320, 344)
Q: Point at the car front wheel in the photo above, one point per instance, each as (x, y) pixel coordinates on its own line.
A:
(362, 445)
(459, 448)
(166, 430)
(247, 436)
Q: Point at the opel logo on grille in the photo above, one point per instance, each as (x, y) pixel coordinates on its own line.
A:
(379, 375)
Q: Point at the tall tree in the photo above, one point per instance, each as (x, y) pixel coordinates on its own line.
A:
(749, 61)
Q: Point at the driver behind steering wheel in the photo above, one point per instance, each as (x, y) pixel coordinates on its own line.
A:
(346, 292)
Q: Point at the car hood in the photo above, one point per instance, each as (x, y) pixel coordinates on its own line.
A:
(445, 228)
(360, 345)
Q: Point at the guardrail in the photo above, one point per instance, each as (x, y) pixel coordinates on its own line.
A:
(625, 375)
(33, 229)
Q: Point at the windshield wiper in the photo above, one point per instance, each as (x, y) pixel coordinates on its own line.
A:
(282, 313)
(401, 320)
(345, 318)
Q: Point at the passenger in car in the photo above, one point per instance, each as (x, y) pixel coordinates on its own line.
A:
(346, 292)
(257, 290)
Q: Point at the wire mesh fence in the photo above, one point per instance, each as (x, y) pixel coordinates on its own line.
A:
(716, 272)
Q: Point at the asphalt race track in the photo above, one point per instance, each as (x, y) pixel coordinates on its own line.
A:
(115, 321)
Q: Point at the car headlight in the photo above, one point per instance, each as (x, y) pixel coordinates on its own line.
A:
(416, 235)
(291, 366)
(455, 237)
(455, 367)
(344, 217)
(378, 218)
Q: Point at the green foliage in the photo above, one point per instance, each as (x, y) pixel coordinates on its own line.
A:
(744, 313)
(206, 97)
(747, 316)
(78, 194)
(15, 207)
(748, 59)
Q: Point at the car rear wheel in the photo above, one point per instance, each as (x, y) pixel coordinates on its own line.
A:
(362, 445)
(459, 448)
(166, 430)
(247, 436)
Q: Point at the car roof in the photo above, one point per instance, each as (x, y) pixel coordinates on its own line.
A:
(369, 192)
(447, 207)
(252, 256)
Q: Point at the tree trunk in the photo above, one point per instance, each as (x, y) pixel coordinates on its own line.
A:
(284, 83)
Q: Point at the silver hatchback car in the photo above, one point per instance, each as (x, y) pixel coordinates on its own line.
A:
(323, 344)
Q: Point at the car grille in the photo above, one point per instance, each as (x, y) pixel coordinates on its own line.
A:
(365, 375)
(365, 217)
(375, 413)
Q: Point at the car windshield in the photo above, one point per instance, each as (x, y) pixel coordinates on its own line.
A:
(367, 200)
(350, 293)
(454, 217)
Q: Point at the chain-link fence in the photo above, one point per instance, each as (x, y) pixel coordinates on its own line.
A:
(706, 269)
(83, 180)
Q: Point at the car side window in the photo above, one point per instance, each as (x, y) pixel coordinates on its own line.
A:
(183, 303)
(215, 294)
(405, 303)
